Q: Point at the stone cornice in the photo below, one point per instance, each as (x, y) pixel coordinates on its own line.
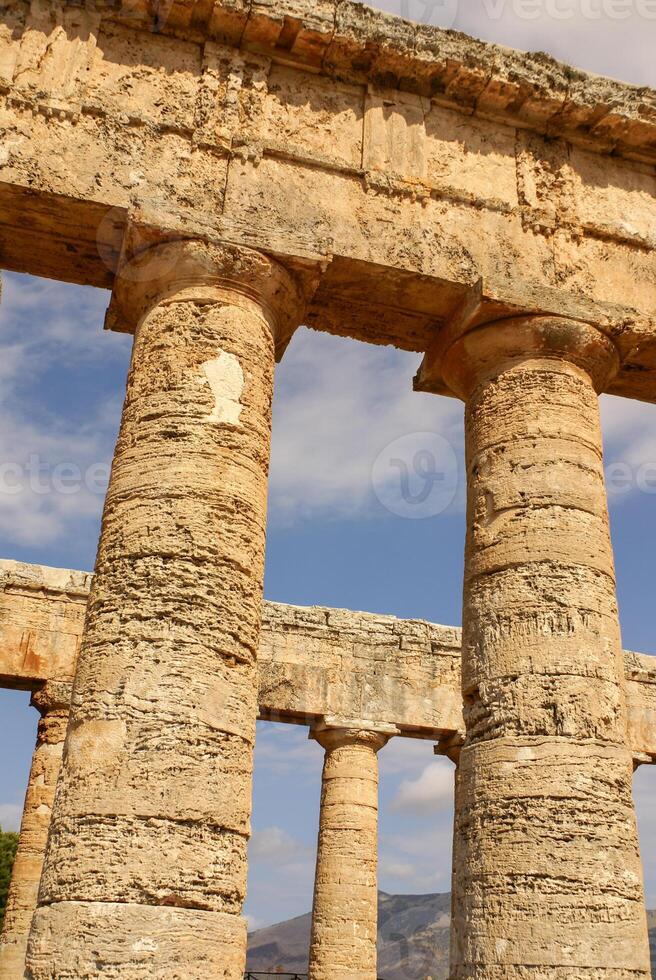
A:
(354, 42)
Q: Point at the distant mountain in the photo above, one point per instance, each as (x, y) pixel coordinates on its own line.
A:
(284, 945)
(413, 936)
(413, 940)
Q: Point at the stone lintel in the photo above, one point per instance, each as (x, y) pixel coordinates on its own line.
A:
(318, 666)
(330, 723)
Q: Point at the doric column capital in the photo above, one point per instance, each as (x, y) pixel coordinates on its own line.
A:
(206, 272)
(333, 734)
(52, 696)
(451, 747)
(460, 362)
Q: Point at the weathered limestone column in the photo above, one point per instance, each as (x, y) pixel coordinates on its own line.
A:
(53, 701)
(345, 909)
(547, 872)
(145, 873)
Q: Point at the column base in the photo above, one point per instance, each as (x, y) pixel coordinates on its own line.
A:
(75, 940)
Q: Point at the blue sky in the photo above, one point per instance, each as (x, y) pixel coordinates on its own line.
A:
(342, 413)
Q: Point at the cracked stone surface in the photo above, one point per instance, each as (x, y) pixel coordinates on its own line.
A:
(52, 700)
(345, 908)
(547, 871)
(153, 803)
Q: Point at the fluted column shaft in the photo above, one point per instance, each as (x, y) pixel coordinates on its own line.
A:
(547, 872)
(52, 700)
(345, 909)
(145, 873)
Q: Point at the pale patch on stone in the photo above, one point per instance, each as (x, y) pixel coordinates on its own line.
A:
(95, 744)
(226, 379)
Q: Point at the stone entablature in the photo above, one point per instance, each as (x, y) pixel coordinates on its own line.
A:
(313, 662)
(514, 178)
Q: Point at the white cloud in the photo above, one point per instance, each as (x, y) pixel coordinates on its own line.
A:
(629, 429)
(274, 845)
(431, 792)
(10, 816)
(285, 750)
(51, 460)
(338, 404)
(253, 922)
(390, 868)
(415, 861)
(403, 756)
(280, 877)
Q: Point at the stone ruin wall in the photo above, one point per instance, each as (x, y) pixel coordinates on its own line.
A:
(231, 169)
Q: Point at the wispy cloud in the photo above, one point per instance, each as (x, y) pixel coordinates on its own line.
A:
(273, 845)
(430, 792)
(338, 405)
(285, 750)
(56, 435)
(418, 860)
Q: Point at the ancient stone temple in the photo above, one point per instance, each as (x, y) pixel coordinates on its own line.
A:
(232, 169)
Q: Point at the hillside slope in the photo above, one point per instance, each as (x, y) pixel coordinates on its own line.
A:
(413, 939)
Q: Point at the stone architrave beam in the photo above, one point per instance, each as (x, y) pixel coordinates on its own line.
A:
(313, 662)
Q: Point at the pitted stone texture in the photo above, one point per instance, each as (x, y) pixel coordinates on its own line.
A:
(135, 942)
(547, 872)
(345, 909)
(41, 618)
(53, 701)
(153, 804)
